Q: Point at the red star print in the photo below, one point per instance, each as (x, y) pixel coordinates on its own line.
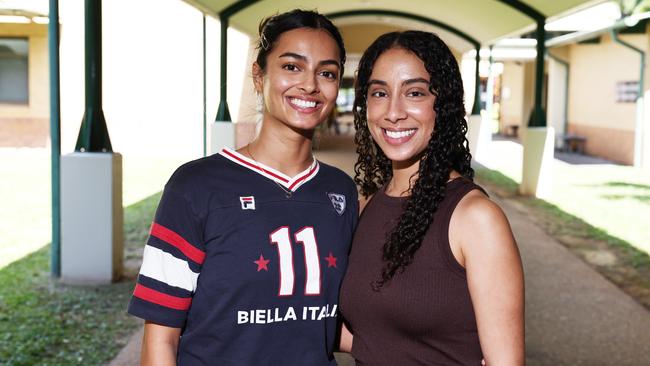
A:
(331, 260)
(261, 263)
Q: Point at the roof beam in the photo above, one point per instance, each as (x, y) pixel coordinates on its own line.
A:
(526, 9)
(236, 8)
(392, 13)
(401, 14)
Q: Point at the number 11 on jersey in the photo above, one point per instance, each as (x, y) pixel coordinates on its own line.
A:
(307, 238)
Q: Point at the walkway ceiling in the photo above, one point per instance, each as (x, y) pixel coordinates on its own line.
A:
(484, 20)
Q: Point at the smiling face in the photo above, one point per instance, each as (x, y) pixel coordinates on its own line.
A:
(400, 106)
(301, 79)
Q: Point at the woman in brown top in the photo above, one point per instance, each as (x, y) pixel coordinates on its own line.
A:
(434, 275)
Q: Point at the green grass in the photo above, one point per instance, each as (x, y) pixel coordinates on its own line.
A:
(25, 213)
(566, 223)
(46, 323)
(614, 198)
(631, 271)
(43, 322)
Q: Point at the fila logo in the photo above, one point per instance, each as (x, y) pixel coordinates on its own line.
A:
(247, 203)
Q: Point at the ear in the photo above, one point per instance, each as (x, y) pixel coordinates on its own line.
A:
(258, 78)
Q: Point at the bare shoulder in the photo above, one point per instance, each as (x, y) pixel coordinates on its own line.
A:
(477, 208)
(479, 221)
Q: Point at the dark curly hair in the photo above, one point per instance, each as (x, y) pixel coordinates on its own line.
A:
(447, 149)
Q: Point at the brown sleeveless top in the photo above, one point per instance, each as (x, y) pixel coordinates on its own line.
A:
(424, 316)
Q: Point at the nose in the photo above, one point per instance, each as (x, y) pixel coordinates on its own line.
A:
(396, 111)
(309, 84)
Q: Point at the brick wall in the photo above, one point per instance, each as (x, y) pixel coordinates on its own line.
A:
(607, 143)
(24, 132)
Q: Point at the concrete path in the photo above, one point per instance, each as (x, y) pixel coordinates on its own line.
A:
(574, 316)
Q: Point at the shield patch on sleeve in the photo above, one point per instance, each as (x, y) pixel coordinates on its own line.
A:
(338, 201)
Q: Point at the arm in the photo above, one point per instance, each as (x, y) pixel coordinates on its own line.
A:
(159, 345)
(345, 344)
(494, 275)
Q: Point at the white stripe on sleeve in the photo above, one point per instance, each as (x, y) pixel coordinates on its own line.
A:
(166, 268)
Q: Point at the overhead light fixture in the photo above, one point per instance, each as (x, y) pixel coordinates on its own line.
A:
(40, 20)
(14, 19)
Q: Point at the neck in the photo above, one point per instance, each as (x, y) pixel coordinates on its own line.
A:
(289, 153)
(404, 176)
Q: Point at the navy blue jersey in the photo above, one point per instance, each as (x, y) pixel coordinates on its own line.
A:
(248, 261)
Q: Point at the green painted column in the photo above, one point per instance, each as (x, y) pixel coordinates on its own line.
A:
(55, 136)
(205, 105)
(538, 118)
(93, 135)
(223, 113)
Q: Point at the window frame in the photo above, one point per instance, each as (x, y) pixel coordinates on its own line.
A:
(26, 101)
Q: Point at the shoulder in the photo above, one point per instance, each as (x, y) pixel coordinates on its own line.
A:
(475, 206)
(480, 226)
(192, 173)
(338, 177)
(477, 220)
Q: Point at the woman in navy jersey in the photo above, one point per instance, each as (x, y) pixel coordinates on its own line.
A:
(434, 274)
(248, 248)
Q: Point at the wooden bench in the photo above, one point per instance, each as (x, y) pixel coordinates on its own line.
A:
(512, 130)
(574, 143)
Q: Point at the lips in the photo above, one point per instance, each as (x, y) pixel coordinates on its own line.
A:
(304, 105)
(398, 136)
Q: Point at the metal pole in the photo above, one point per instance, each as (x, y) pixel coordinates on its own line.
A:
(55, 136)
(539, 117)
(223, 113)
(93, 135)
(476, 108)
(205, 113)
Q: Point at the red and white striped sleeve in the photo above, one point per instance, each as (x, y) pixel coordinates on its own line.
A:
(171, 263)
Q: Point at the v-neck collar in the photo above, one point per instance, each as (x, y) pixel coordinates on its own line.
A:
(280, 178)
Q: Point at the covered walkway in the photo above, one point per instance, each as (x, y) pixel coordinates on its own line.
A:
(574, 316)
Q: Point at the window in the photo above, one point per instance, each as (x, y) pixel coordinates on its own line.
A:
(13, 70)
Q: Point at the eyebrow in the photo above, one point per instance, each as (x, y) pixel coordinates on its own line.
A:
(304, 58)
(415, 80)
(405, 82)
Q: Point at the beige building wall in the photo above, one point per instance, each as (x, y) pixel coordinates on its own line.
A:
(529, 91)
(556, 108)
(28, 124)
(593, 110)
(512, 95)
(358, 37)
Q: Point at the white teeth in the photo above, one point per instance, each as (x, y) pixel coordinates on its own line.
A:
(399, 134)
(302, 103)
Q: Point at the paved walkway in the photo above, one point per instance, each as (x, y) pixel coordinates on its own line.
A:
(574, 316)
